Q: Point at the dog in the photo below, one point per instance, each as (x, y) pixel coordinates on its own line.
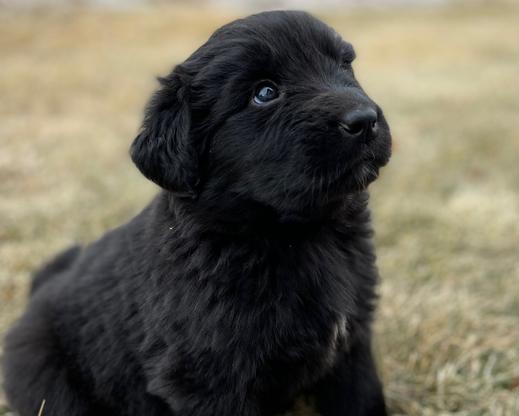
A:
(250, 279)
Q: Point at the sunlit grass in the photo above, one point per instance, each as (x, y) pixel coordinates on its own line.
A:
(446, 209)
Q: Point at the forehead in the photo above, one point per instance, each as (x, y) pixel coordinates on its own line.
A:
(283, 38)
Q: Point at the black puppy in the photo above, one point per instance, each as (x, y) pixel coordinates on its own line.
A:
(250, 279)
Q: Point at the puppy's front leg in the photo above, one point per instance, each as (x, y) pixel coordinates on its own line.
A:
(353, 387)
(223, 405)
(201, 395)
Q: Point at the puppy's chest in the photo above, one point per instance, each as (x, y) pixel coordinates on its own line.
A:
(289, 302)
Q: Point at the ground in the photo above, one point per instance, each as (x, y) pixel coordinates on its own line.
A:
(446, 209)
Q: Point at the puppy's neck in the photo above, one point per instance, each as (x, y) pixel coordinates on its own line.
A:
(249, 218)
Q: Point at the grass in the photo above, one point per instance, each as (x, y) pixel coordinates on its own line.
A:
(446, 209)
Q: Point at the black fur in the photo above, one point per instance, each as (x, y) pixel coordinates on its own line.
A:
(250, 279)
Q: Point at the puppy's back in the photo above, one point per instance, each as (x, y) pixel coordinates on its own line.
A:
(57, 265)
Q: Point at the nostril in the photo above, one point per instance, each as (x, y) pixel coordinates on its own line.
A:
(353, 128)
(360, 121)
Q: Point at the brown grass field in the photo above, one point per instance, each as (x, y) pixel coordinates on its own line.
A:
(446, 210)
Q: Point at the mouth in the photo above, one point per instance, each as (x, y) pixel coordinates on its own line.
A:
(363, 175)
(366, 169)
(357, 174)
(345, 168)
(350, 178)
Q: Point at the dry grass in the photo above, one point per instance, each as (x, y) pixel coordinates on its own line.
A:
(446, 210)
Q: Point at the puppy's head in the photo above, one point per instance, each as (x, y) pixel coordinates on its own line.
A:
(266, 113)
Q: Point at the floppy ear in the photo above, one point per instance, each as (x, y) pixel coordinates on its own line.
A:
(163, 151)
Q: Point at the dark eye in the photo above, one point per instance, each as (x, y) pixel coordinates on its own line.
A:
(266, 91)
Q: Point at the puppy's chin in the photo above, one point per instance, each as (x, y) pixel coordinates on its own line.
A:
(328, 195)
(366, 169)
(356, 175)
(327, 192)
(361, 176)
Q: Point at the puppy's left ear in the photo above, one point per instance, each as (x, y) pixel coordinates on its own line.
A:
(163, 150)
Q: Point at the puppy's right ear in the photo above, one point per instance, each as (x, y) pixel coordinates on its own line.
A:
(163, 151)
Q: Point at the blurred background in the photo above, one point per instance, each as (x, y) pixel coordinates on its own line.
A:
(75, 75)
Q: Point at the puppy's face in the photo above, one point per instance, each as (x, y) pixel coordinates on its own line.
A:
(267, 112)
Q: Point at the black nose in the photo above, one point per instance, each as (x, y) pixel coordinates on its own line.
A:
(361, 123)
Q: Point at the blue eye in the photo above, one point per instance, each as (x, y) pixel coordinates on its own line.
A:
(265, 92)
